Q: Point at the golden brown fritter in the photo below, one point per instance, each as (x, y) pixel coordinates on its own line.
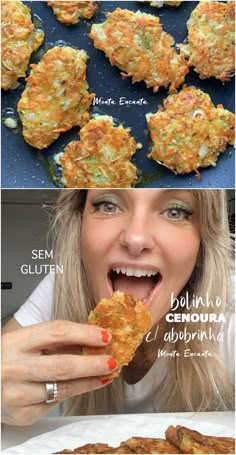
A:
(71, 12)
(189, 131)
(131, 445)
(159, 4)
(56, 96)
(136, 43)
(178, 440)
(123, 448)
(150, 445)
(19, 40)
(101, 158)
(90, 448)
(127, 319)
(211, 30)
(190, 441)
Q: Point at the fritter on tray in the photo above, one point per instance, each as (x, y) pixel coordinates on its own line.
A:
(19, 40)
(159, 4)
(211, 30)
(56, 96)
(136, 44)
(127, 319)
(71, 12)
(190, 441)
(101, 157)
(189, 131)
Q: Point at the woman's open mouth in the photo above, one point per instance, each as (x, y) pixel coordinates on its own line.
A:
(139, 282)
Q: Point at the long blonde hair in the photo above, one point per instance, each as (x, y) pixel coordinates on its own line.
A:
(192, 384)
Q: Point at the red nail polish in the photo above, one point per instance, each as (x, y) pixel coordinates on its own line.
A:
(104, 336)
(112, 364)
(105, 381)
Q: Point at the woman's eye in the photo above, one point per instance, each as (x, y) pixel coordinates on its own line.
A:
(177, 213)
(106, 207)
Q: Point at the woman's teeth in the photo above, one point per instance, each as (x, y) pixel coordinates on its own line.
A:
(139, 282)
(128, 271)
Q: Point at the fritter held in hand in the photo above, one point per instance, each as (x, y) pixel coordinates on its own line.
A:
(189, 131)
(211, 30)
(190, 441)
(127, 319)
(19, 40)
(159, 4)
(56, 96)
(70, 12)
(101, 157)
(136, 43)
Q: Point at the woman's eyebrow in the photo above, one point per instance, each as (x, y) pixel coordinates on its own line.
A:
(174, 190)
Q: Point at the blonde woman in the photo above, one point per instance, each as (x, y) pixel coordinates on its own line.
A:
(170, 248)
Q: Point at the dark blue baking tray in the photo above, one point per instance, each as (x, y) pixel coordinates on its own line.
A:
(25, 167)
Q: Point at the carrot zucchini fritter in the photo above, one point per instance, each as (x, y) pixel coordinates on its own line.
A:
(19, 40)
(56, 96)
(211, 30)
(131, 445)
(90, 449)
(70, 12)
(191, 441)
(178, 440)
(123, 448)
(101, 157)
(189, 131)
(136, 44)
(127, 319)
(150, 445)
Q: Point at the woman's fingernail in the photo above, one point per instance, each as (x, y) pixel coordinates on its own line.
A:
(105, 336)
(105, 381)
(112, 364)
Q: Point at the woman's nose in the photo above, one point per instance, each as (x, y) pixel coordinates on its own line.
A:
(137, 236)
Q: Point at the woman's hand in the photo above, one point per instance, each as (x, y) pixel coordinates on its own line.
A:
(27, 367)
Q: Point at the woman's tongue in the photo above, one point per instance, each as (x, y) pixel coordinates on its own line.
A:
(138, 287)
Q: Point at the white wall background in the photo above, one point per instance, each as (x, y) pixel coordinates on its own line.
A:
(25, 223)
(26, 216)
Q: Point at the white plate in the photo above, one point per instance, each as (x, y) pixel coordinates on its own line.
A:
(110, 430)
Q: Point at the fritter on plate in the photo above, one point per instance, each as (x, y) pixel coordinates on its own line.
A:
(127, 319)
(136, 44)
(189, 131)
(150, 445)
(19, 40)
(132, 445)
(190, 441)
(71, 12)
(56, 96)
(101, 157)
(90, 448)
(123, 448)
(211, 30)
(159, 4)
(178, 440)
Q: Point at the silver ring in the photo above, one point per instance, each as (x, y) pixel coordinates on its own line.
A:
(51, 392)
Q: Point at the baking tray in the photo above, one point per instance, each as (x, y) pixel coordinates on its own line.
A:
(25, 167)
